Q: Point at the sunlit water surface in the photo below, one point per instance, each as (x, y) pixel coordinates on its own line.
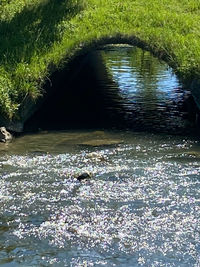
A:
(141, 206)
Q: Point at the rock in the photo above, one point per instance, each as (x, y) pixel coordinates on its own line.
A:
(5, 136)
(84, 176)
(155, 213)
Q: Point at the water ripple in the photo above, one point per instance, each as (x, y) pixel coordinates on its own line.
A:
(137, 209)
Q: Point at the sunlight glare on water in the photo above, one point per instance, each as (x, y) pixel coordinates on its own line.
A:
(141, 208)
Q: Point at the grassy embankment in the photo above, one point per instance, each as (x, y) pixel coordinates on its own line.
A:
(39, 36)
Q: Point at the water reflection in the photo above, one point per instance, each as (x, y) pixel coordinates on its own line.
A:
(150, 94)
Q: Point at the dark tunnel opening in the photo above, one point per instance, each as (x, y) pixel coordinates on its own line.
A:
(121, 87)
(77, 98)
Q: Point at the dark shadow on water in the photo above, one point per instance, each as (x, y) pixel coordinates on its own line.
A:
(79, 98)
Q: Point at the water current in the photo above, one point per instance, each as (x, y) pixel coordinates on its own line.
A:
(141, 205)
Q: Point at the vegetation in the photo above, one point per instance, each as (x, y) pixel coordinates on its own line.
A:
(39, 36)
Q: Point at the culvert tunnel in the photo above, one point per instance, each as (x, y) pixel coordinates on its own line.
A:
(116, 86)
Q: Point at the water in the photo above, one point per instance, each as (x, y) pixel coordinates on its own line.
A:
(150, 97)
(140, 208)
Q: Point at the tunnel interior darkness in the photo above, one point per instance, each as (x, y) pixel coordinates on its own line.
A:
(81, 96)
(76, 98)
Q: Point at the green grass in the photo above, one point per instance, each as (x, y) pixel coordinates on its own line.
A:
(39, 36)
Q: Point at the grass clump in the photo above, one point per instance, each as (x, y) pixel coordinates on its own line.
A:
(38, 36)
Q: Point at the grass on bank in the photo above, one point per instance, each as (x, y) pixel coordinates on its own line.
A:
(39, 36)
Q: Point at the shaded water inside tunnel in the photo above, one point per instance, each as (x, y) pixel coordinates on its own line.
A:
(117, 87)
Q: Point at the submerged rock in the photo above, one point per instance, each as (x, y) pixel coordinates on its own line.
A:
(101, 142)
(5, 136)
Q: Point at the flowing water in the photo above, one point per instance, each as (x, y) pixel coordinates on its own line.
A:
(141, 205)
